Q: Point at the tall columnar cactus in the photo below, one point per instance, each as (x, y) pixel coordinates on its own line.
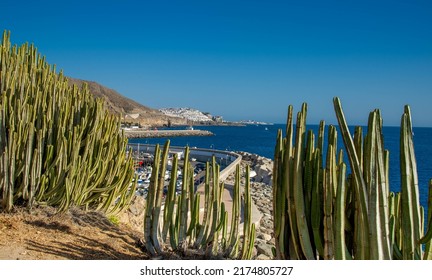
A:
(213, 232)
(58, 145)
(410, 206)
(248, 226)
(233, 240)
(170, 199)
(320, 212)
(154, 201)
(394, 221)
(428, 235)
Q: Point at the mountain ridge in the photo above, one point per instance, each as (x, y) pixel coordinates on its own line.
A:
(129, 110)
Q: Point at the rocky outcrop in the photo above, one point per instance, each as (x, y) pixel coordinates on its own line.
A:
(262, 196)
(134, 216)
(262, 166)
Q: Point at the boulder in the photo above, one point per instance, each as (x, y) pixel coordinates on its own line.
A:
(264, 236)
(265, 249)
(263, 257)
(264, 171)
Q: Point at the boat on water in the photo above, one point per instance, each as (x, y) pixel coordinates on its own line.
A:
(189, 128)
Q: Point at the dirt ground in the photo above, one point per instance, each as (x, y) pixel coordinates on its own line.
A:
(74, 235)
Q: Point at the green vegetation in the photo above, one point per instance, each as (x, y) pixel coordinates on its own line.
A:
(214, 233)
(58, 145)
(114, 220)
(322, 213)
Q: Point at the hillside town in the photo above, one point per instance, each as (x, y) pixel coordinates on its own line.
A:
(192, 115)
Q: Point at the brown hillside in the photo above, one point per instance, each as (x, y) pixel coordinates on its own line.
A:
(44, 234)
(130, 110)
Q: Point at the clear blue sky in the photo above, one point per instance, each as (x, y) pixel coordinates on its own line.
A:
(243, 59)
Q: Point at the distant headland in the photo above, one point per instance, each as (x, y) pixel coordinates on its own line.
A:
(135, 114)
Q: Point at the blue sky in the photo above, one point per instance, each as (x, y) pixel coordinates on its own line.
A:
(243, 59)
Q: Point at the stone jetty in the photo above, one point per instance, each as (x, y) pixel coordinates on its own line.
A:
(141, 133)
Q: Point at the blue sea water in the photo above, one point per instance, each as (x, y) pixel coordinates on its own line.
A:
(261, 139)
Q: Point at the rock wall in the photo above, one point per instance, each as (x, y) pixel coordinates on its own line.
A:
(261, 165)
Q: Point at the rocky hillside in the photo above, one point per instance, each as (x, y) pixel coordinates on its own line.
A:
(129, 109)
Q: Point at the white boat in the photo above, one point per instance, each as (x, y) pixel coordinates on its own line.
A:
(189, 128)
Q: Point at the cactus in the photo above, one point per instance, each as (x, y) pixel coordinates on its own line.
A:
(151, 204)
(181, 221)
(340, 252)
(333, 215)
(59, 145)
(170, 200)
(410, 208)
(233, 240)
(248, 228)
(203, 228)
(426, 239)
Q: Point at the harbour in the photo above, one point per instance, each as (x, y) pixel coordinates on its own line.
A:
(143, 158)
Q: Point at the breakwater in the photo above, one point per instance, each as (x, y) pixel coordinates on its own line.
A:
(141, 133)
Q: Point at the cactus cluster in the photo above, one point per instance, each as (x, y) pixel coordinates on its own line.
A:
(58, 145)
(320, 212)
(180, 226)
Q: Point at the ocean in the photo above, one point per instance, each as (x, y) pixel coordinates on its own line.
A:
(261, 139)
